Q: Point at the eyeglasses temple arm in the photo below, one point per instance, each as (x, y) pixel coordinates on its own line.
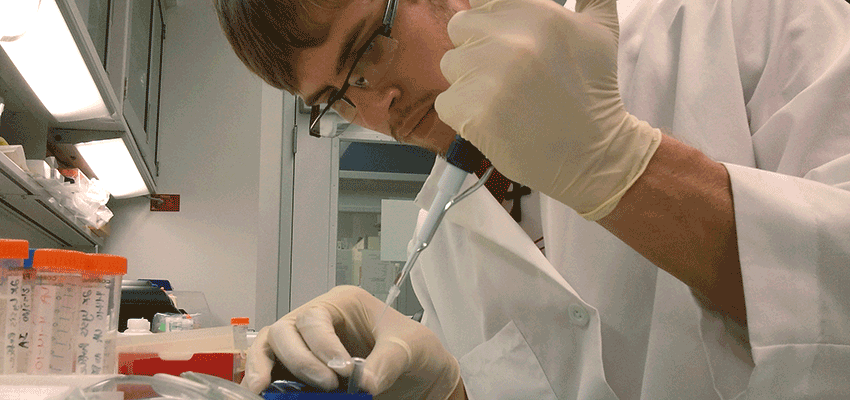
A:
(389, 16)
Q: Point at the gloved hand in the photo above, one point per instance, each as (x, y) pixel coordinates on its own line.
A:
(405, 359)
(534, 87)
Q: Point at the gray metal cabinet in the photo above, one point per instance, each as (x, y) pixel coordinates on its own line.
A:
(95, 16)
(121, 43)
(124, 47)
(142, 80)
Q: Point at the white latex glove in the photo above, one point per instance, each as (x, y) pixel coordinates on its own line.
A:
(405, 359)
(534, 87)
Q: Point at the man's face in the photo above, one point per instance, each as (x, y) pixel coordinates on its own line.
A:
(402, 103)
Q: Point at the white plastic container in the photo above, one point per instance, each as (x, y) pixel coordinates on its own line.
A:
(39, 168)
(137, 326)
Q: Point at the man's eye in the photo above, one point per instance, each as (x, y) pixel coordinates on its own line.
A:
(360, 82)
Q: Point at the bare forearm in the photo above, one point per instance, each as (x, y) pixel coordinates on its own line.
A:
(679, 215)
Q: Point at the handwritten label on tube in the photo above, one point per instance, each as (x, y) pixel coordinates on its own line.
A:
(93, 326)
(10, 290)
(65, 327)
(22, 343)
(44, 309)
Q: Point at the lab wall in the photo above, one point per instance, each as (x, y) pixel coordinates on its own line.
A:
(220, 149)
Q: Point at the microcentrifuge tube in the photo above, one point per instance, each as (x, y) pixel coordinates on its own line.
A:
(356, 373)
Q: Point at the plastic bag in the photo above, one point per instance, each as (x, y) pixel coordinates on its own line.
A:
(83, 198)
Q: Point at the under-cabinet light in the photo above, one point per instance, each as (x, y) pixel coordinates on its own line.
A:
(111, 161)
(48, 58)
(15, 17)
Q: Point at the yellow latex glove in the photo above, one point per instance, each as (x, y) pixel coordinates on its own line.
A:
(405, 359)
(534, 87)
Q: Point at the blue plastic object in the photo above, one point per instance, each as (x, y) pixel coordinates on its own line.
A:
(464, 155)
(163, 284)
(28, 261)
(311, 396)
(292, 390)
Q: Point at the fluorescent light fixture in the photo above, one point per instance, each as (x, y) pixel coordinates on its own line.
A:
(50, 61)
(15, 17)
(111, 162)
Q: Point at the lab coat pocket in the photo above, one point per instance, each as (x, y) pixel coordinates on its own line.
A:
(504, 367)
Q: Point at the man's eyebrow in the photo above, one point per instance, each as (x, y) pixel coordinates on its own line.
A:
(350, 40)
(344, 55)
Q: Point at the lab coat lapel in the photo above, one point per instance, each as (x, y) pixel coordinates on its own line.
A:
(483, 215)
(521, 288)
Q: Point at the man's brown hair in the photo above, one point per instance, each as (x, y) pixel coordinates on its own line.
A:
(266, 34)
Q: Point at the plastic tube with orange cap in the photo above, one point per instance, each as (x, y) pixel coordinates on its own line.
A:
(95, 352)
(112, 275)
(56, 294)
(22, 343)
(12, 256)
(240, 341)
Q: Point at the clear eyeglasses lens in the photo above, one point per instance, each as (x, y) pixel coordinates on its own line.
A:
(369, 70)
(345, 109)
(374, 63)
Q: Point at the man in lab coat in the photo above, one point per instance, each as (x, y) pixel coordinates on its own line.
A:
(708, 260)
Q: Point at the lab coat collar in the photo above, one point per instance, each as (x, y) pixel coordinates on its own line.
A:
(482, 214)
(476, 202)
(429, 189)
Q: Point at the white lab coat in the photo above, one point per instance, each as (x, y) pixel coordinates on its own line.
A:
(761, 85)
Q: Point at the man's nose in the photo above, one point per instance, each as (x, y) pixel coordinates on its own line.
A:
(374, 105)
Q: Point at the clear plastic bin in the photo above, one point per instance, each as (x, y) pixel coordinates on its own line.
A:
(214, 351)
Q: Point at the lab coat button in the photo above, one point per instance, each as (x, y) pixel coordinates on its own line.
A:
(578, 315)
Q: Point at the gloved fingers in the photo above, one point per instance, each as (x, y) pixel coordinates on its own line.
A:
(316, 326)
(590, 5)
(603, 12)
(465, 26)
(259, 363)
(478, 3)
(388, 361)
(453, 107)
(480, 21)
(296, 356)
(470, 78)
(488, 53)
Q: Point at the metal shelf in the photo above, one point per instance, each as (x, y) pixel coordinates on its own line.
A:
(22, 195)
(382, 176)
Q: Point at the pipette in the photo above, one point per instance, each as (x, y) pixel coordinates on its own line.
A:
(463, 158)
